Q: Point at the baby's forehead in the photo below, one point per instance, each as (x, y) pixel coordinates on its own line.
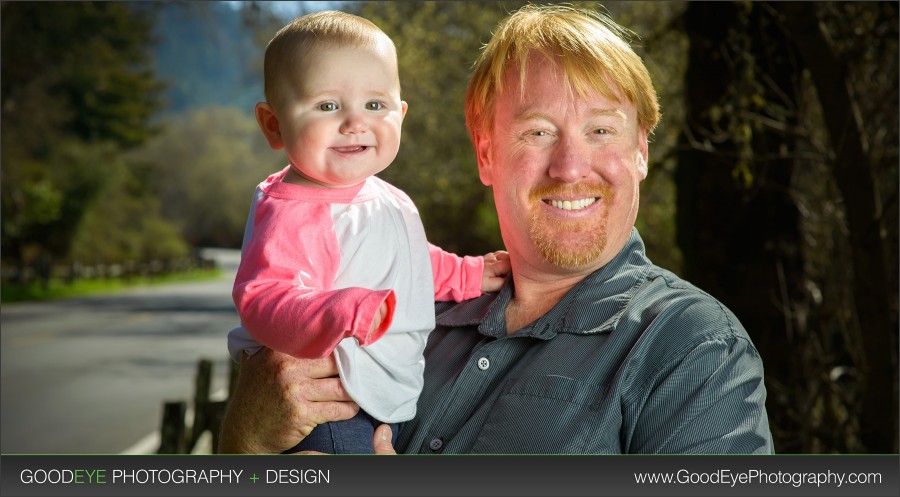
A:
(304, 60)
(329, 64)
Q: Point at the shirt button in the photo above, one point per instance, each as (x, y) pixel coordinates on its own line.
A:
(484, 363)
(436, 444)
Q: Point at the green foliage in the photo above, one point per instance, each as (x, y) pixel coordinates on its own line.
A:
(44, 200)
(76, 68)
(76, 89)
(124, 224)
(204, 168)
(59, 289)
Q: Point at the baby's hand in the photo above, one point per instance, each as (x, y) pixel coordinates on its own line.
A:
(496, 268)
(379, 317)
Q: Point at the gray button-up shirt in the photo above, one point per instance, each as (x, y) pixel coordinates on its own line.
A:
(631, 360)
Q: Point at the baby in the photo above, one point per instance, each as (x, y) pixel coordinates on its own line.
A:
(335, 260)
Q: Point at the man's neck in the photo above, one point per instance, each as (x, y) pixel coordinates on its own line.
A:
(535, 297)
(540, 286)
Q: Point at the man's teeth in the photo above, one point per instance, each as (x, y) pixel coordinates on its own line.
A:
(572, 205)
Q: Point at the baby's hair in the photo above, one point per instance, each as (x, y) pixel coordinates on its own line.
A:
(287, 50)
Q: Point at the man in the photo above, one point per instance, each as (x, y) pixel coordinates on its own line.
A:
(589, 348)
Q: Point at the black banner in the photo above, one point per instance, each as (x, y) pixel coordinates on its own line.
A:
(494, 476)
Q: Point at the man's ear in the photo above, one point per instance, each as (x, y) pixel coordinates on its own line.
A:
(483, 154)
(642, 154)
(268, 123)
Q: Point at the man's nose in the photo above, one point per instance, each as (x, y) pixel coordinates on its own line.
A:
(353, 123)
(569, 161)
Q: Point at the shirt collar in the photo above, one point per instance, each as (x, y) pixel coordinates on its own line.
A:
(593, 306)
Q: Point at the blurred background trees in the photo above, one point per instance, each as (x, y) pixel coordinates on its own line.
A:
(128, 134)
(78, 89)
(787, 205)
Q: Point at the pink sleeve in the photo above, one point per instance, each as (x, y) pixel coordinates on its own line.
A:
(283, 286)
(455, 278)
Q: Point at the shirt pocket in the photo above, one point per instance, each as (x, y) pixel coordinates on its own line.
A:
(546, 415)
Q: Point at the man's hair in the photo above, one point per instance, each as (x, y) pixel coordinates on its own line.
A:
(591, 50)
(287, 50)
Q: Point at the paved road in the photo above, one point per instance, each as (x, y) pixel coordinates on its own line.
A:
(90, 375)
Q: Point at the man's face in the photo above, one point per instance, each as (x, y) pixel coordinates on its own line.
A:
(340, 122)
(564, 169)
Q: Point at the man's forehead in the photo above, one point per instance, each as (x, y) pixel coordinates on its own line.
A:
(539, 112)
(553, 77)
(542, 96)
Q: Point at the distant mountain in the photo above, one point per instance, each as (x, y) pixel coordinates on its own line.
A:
(206, 55)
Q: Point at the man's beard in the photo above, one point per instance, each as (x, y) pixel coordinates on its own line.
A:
(590, 235)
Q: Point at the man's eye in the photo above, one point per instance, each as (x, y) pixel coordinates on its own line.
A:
(539, 133)
(374, 106)
(601, 131)
(328, 106)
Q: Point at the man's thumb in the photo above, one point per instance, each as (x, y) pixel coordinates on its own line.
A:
(382, 441)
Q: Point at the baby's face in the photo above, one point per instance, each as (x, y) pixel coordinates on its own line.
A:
(340, 118)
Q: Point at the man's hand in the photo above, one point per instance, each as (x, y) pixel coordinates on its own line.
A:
(279, 399)
(496, 268)
(382, 440)
(381, 443)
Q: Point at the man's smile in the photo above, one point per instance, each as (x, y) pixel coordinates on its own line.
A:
(571, 205)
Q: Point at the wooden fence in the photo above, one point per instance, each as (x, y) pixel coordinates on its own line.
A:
(182, 428)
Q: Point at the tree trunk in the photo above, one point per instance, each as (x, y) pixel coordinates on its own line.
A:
(737, 226)
(854, 175)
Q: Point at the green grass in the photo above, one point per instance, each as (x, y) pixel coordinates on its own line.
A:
(57, 289)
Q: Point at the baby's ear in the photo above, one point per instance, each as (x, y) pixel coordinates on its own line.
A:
(403, 108)
(268, 123)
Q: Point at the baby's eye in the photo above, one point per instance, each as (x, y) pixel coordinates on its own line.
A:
(374, 105)
(328, 106)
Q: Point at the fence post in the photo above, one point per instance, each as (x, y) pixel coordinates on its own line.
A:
(201, 400)
(215, 416)
(216, 410)
(176, 436)
(172, 432)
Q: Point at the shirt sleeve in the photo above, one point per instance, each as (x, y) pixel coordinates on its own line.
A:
(710, 400)
(283, 288)
(455, 278)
